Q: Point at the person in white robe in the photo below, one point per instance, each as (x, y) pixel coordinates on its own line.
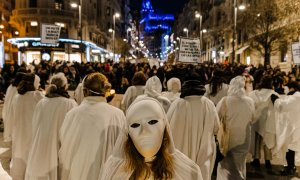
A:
(194, 122)
(89, 132)
(6, 111)
(263, 130)
(237, 114)
(217, 88)
(47, 120)
(174, 87)
(3, 174)
(145, 149)
(288, 128)
(137, 88)
(78, 93)
(23, 106)
(153, 88)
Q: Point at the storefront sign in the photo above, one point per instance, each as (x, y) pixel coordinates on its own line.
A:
(50, 34)
(189, 50)
(296, 53)
(39, 44)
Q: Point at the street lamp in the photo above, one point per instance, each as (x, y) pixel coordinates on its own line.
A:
(241, 7)
(187, 31)
(198, 15)
(75, 5)
(128, 30)
(116, 15)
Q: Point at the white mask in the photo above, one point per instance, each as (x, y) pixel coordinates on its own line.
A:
(146, 127)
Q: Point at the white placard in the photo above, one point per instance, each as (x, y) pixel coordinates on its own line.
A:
(296, 53)
(50, 33)
(189, 50)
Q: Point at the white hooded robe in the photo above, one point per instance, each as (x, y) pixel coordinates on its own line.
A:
(194, 122)
(87, 136)
(47, 120)
(23, 108)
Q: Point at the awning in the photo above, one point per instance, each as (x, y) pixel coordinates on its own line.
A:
(241, 50)
(227, 54)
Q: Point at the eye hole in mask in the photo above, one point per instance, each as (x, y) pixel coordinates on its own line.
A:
(135, 125)
(152, 122)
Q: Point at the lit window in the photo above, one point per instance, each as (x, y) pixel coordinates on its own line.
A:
(33, 23)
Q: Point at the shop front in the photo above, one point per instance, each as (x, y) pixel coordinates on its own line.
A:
(31, 50)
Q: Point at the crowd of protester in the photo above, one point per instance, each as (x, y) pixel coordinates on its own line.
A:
(182, 121)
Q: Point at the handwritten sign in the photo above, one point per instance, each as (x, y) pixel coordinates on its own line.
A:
(189, 50)
(50, 34)
(296, 53)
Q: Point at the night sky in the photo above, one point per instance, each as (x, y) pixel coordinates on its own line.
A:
(165, 6)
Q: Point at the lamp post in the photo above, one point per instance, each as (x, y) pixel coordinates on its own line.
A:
(116, 15)
(198, 15)
(75, 5)
(187, 31)
(241, 7)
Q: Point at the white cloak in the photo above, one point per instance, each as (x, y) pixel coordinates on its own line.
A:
(130, 95)
(194, 122)
(47, 120)
(221, 93)
(23, 108)
(264, 116)
(78, 93)
(7, 113)
(87, 136)
(288, 123)
(238, 119)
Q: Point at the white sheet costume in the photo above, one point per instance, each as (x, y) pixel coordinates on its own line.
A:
(153, 88)
(87, 136)
(78, 93)
(237, 115)
(264, 120)
(130, 95)
(174, 86)
(7, 113)
(47, 120)
(287, 115)
(23, 108)
(146, 123)
(194, 122)
(220, 94)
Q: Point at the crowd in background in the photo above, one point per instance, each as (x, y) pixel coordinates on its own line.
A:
(121, 74)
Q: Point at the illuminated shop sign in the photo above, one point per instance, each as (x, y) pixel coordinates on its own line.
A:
(38, 44)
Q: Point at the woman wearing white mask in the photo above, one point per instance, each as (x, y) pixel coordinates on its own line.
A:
(146, 149)
(47, 120)
(153, 89)
(23, 106)
(174, 87)
(237, 112)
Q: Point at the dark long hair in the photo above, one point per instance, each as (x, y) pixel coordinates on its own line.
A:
(216, 82)
(27, 84)
(161, 166)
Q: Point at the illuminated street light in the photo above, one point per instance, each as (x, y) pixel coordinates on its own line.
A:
(116, 15)
(16, 32)
(33, 23)
(242, 7)
(198, 15)
(74, 5)
(187, 31)
(110, 30)
(204, 30)
(1, 26)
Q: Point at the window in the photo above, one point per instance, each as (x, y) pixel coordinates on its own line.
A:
(283, 51)
(33, 3)
(58, 4)
(108, 11)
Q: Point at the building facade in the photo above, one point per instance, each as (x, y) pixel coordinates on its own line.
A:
(220, 42)
(6, 49)
(89, 42)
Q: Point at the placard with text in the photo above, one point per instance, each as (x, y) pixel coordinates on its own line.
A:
(189, 50)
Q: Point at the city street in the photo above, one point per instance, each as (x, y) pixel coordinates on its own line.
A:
(252, 174)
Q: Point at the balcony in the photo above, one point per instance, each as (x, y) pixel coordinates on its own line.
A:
(46, 12)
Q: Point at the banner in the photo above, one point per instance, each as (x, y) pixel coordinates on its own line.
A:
(50, 34)
(296, 53)
(189, 50)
